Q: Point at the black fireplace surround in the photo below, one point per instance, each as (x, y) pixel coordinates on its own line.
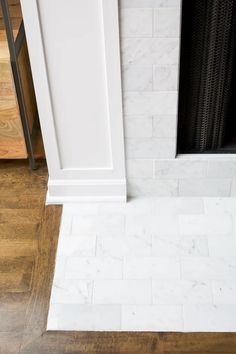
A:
(207, 95)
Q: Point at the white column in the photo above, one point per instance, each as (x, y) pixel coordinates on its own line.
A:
(75, 59)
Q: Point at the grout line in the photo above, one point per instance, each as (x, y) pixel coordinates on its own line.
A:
(96, 245)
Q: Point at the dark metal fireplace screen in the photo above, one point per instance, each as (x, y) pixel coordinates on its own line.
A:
(207, 96)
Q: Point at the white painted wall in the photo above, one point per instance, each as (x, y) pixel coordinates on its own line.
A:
(75, 58)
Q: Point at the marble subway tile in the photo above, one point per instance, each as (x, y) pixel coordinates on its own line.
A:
(176, 206)
(177, 292)
(152, 187)
(86, 225)
(76, 246)
(150, 103)
(66, 224)
(209, 225)
(167, 22)
(76, 317)
(155, 224)
(139, 168)
(151, 267)
(122, 292)
(132, 245)
(60, 269)
(136, 22)
(152, 318)
(138, 126)
(150, 51)
(224, 292)
(149, 3)
(208, 268)
(163, 246)
(222, 169)
(137, 78)
(165, 78)
(194, 246)
(220, 205)
(220, 247)
(150, 148)
(93, 267)
(205, 187)
(75, 292)
(180, 168)
(233, 188)
(165, 126)
(209, 318)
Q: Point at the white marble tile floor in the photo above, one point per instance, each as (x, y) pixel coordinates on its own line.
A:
(153, 264)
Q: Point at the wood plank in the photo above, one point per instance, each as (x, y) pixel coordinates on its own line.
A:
(16, 273)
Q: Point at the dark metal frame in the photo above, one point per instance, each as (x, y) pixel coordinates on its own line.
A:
(14, 49)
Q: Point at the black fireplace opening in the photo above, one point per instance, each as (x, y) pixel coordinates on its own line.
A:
(207, 91)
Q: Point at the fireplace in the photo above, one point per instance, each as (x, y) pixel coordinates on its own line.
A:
(207, 104)
(163, 156)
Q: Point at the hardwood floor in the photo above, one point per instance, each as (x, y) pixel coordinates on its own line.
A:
(28, 241)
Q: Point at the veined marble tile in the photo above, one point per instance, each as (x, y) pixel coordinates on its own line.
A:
(205, 187)
(233, 189)
(154, 224)
(136, 22)
(150, 51)
(148, 148)
(194, 246)
(151, 268)
(224, 292)
(175, 206)
(220, 247)
(150, 103)
(155, 255)
(152, 187)
(152, 318)
(180, 168)
(222, 169)
(66, 224)
(138, 126)
(165, 78)
(209, 225)
(165, 126)
(60, 269)
(217, 206)
(208, 268)
(74, 291)
(163, 246)
(211, 318)
(76, 246)
(86, 225)
(139, 168)
(94, 268)
(76, 317)
(133, 245)
(177, 292)
(137, 78)
(149, 3)
(122, 292)
(167, 22)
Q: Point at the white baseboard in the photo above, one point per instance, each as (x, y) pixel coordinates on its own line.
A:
(76, 191)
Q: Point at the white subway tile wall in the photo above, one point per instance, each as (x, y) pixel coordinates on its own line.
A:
(150, 52)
